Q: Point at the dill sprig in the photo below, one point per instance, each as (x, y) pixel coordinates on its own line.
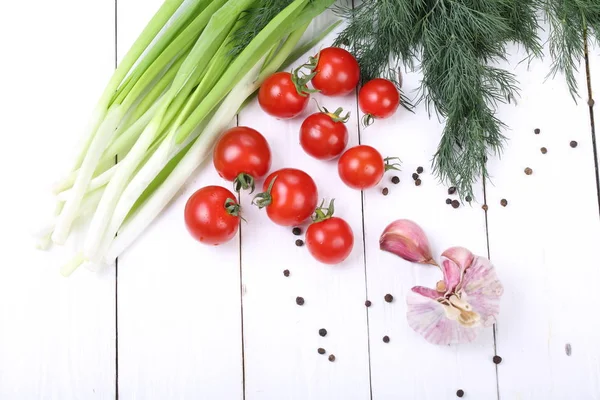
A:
(456, 42)
(254, 20)
(572, 24)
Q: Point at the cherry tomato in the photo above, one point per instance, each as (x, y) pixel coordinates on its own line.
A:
(212, 215)
(361, 167)
(241, 156)
(330, 241)
(279, 97)
(379, 98)
(290, 196)
(323, 135)
(337, 72)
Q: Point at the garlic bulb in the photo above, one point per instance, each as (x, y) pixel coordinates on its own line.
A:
(467, 300)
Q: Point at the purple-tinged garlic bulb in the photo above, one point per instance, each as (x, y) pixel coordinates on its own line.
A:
(466, 301)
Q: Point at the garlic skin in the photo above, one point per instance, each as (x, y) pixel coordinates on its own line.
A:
(407, 240)
(471, 301)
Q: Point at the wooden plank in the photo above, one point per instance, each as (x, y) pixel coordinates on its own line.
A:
(543, 243)
(408, 367)
(281, 338)
(179, 319)
(56, 335)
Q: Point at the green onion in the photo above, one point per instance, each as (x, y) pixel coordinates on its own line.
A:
(174, 93)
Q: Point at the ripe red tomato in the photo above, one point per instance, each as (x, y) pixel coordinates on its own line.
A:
(337, 72)
(241, 156)
(379, 98)
(330, 241)
(212, 215)
(323, 136)
(278, 96)
(361, 167)
(291, 199)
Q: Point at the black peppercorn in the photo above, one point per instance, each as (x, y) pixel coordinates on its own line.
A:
(389, 298)
(323, 332)
(468, 199)
(368, 303)
(386, 339)
(573, 144)
(451, 190)
(300, 300)
(503, 202)
(528, 171)
(321, 350)
(460, 393)
(385, 191)
(544, 150)
(536, 131)
(415, 176)
(420, 170)
(448, 201)
(331, 358)
(455, 204)
(286, 273)
(497, 360)
(395, 180)
(297, 231)
(484, 207)
(418, 182)
(299, 243)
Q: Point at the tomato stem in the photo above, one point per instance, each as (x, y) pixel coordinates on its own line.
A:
(264, 199)
(335, 116)
(368, 120)
(323, 213)
(244, 181)
(389, 165)
(232, 207)
(301, 79)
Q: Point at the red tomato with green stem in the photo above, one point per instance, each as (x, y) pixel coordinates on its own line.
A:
(378, 98)
(290, 197)
(284, 95)
(336, 72)
(362, 167)
(241, 156)
(212, 215)
(324, 135)
(329, 239)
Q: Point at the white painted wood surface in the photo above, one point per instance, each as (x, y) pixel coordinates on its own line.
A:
(222, 323)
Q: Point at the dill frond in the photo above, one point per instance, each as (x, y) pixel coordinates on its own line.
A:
(254, 20)
(571, 23)
(456, 42)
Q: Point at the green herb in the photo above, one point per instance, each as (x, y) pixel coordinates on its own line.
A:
(456, 42)
(571, 22)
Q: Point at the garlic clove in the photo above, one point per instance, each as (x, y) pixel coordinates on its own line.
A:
(482, 289)
(431, 320)
(452, 275)
(427, 292)
(407, 240)
(460, 256)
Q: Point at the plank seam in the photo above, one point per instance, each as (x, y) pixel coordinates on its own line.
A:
(116, 259)
(362, 211)
(591, 111)
(487, 238)
(237, 123)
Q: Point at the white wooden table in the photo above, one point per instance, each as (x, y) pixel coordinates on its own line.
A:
(177, 320)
